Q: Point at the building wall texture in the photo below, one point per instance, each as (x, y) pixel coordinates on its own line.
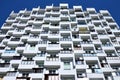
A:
(59, 43)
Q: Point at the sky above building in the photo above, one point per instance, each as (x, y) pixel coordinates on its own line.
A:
(6, 6)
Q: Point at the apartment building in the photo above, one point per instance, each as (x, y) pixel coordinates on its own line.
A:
(60, 43)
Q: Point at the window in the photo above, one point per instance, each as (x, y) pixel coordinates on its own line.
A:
(67, 66)
(32, 47)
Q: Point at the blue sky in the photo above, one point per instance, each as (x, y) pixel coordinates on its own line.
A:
(6, 6)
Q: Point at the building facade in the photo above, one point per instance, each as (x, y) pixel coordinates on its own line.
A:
(59, 43)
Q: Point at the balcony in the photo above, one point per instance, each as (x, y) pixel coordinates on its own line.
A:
(22, 77)
(116, 75)
(83, 30)
(45, 26)
(51, 76)
(101, 54)
(38, 22)
(28, 28)
(52, 59)
(20, 48)
(89, 54)
(78, 51)
(90, 57)
(53, 47)
(77, 47)
(16, 60)
(81, 75)
(21, 24)
(30, 51)
(102, 35)
(73, 20)
(54, 36)
(13, 42)
(66, 41)
(67, 66)
(10, 20)
(66, 54)
(47, 18)
(13, 14)
(30, 21)
(2, 35)
(15, 39)
(44, 33)
(99, 50)
(96, 41)
(36, 30)
(37, 73)
(33, 39)
(115, 43)
(96, 74)
(25, 17)
(26, 65)
(52, 71)
(18, 33)
(24, 37)
(31, 48)
(86, 43)
(38, 76)
(107, 47)
(80, 65)
(79, 61)
(118, 51)
(113, 60)
(10, 76)
(64, 17)
(118, 38)
(40, 56)
(9, 53)
(54, 19)
(2, 49)
(6, 26)
(67, 73)
(42, 44)
(76, 38)
(4, 67)
(107, 69)
(40, 15)
(52, 62)
(54, 27)
(65, 30)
